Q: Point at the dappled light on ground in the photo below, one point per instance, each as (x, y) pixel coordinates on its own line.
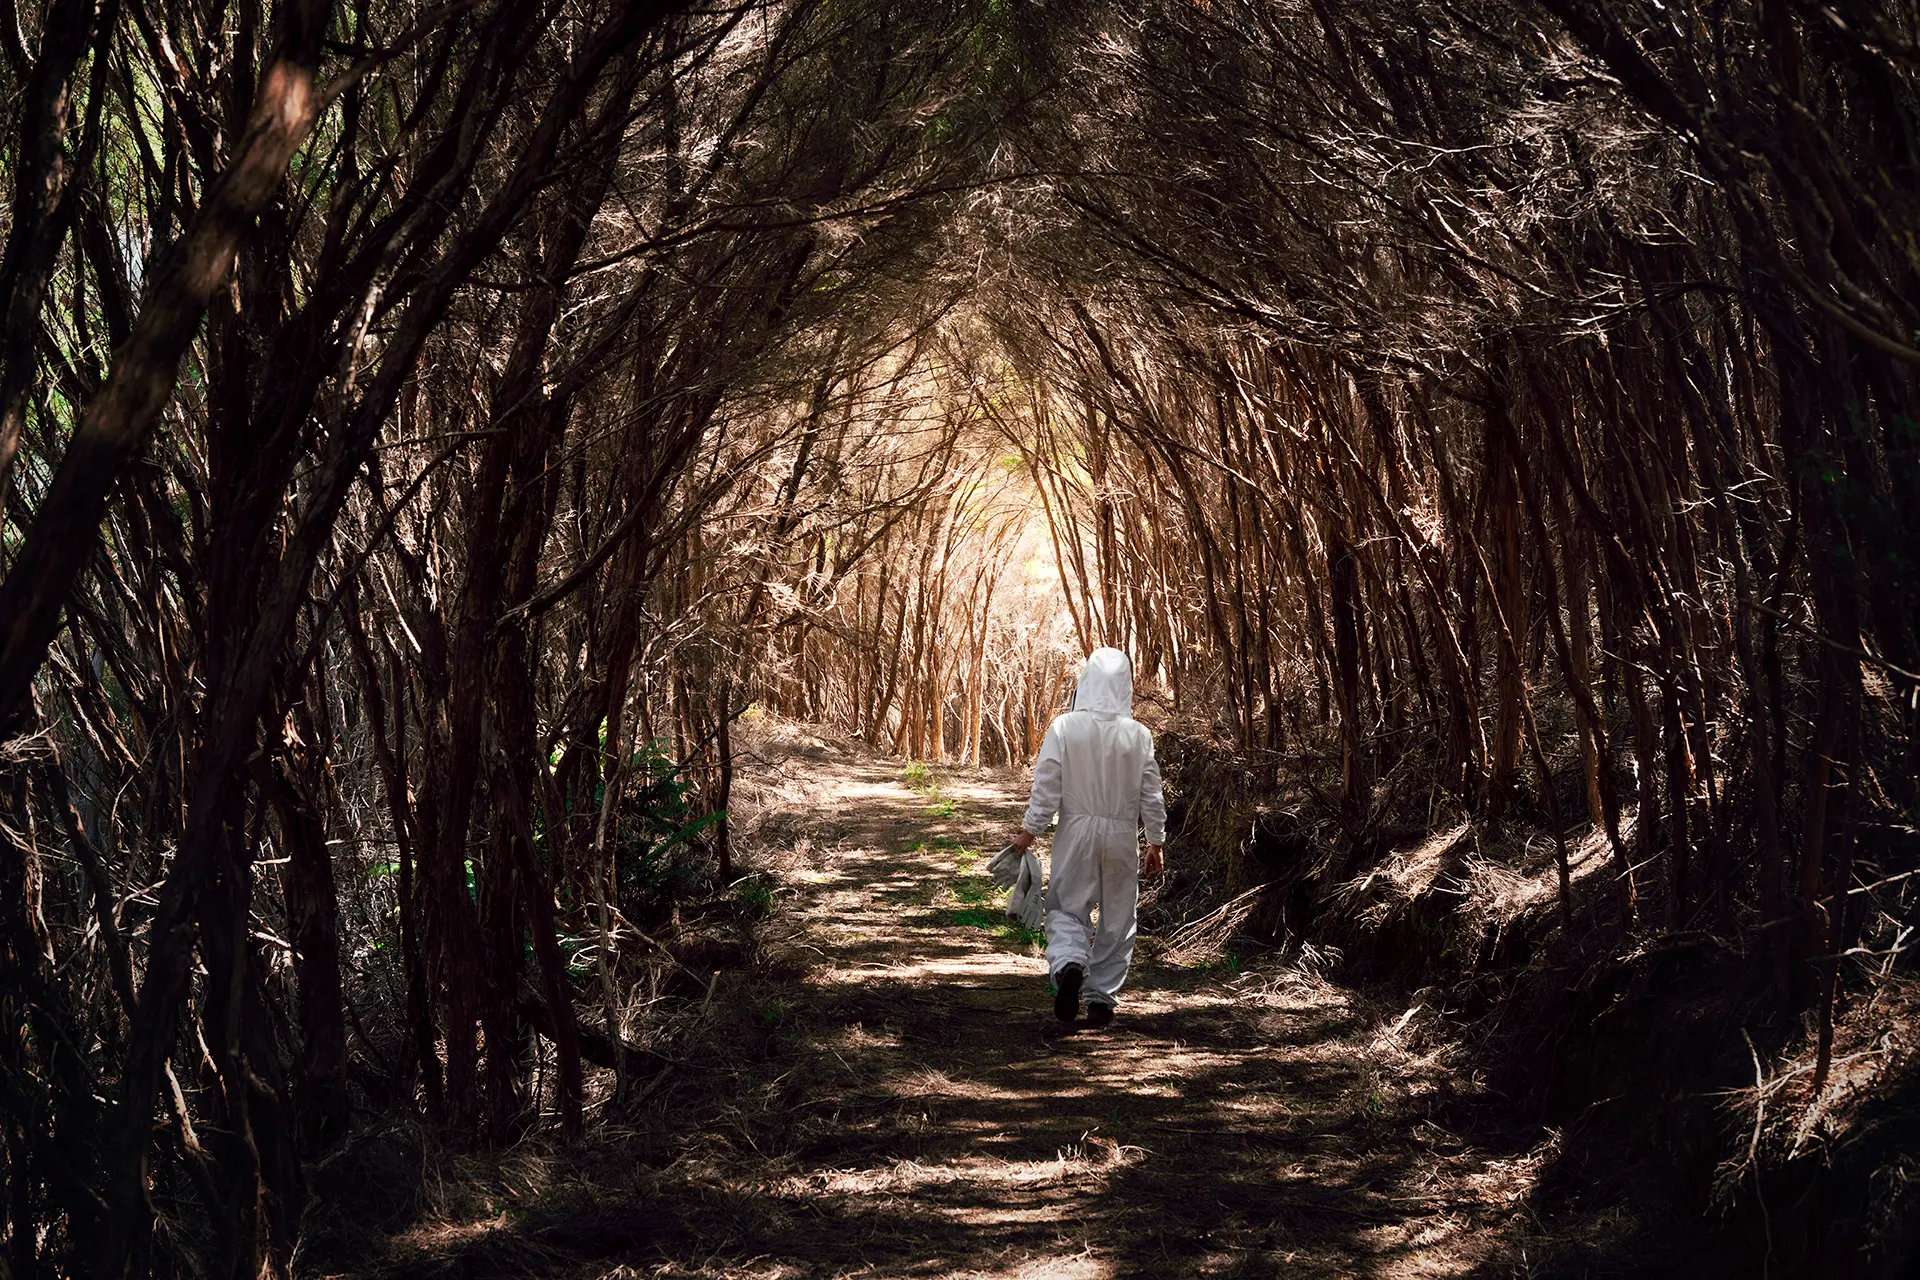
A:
(904, 1104)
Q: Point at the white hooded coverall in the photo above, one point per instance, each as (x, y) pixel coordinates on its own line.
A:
(1096, 770)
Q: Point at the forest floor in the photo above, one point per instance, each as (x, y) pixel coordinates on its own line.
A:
(879, 1088)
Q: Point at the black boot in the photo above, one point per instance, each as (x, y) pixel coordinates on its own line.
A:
(1066, 1001)
(1099, 1013)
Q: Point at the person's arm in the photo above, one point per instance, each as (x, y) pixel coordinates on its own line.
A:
(1153, 815)
(1048, 778)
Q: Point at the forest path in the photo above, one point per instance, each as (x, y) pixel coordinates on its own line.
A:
(886, 1092)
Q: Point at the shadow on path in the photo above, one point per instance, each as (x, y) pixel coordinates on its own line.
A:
(904, 1104)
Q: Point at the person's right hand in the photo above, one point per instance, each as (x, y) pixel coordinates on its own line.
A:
(1154, 864)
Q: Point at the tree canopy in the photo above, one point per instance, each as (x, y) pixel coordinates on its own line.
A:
(425, 429)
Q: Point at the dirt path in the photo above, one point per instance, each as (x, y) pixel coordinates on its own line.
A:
(887, 1093)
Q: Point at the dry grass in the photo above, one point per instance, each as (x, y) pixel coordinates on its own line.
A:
(1876, 1043)
(882, 1092)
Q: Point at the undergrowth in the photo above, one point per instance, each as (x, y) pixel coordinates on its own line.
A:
(1679, 1079)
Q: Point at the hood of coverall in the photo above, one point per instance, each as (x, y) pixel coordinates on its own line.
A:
(1106, 684)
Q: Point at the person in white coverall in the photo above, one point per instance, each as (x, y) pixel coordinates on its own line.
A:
(1096, 770)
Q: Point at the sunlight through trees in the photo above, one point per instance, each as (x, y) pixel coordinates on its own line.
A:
(429, 432)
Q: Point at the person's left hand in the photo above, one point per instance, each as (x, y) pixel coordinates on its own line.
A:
(1154, 864)
(1023, 841)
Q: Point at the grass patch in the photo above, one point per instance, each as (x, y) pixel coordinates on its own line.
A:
(971, 899)
(980, 902)
(978, 889)
(1034, 940)
(755, 893)
(919, 777)
(995, 921)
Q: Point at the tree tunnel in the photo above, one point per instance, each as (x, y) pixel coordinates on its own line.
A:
(427, 433)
